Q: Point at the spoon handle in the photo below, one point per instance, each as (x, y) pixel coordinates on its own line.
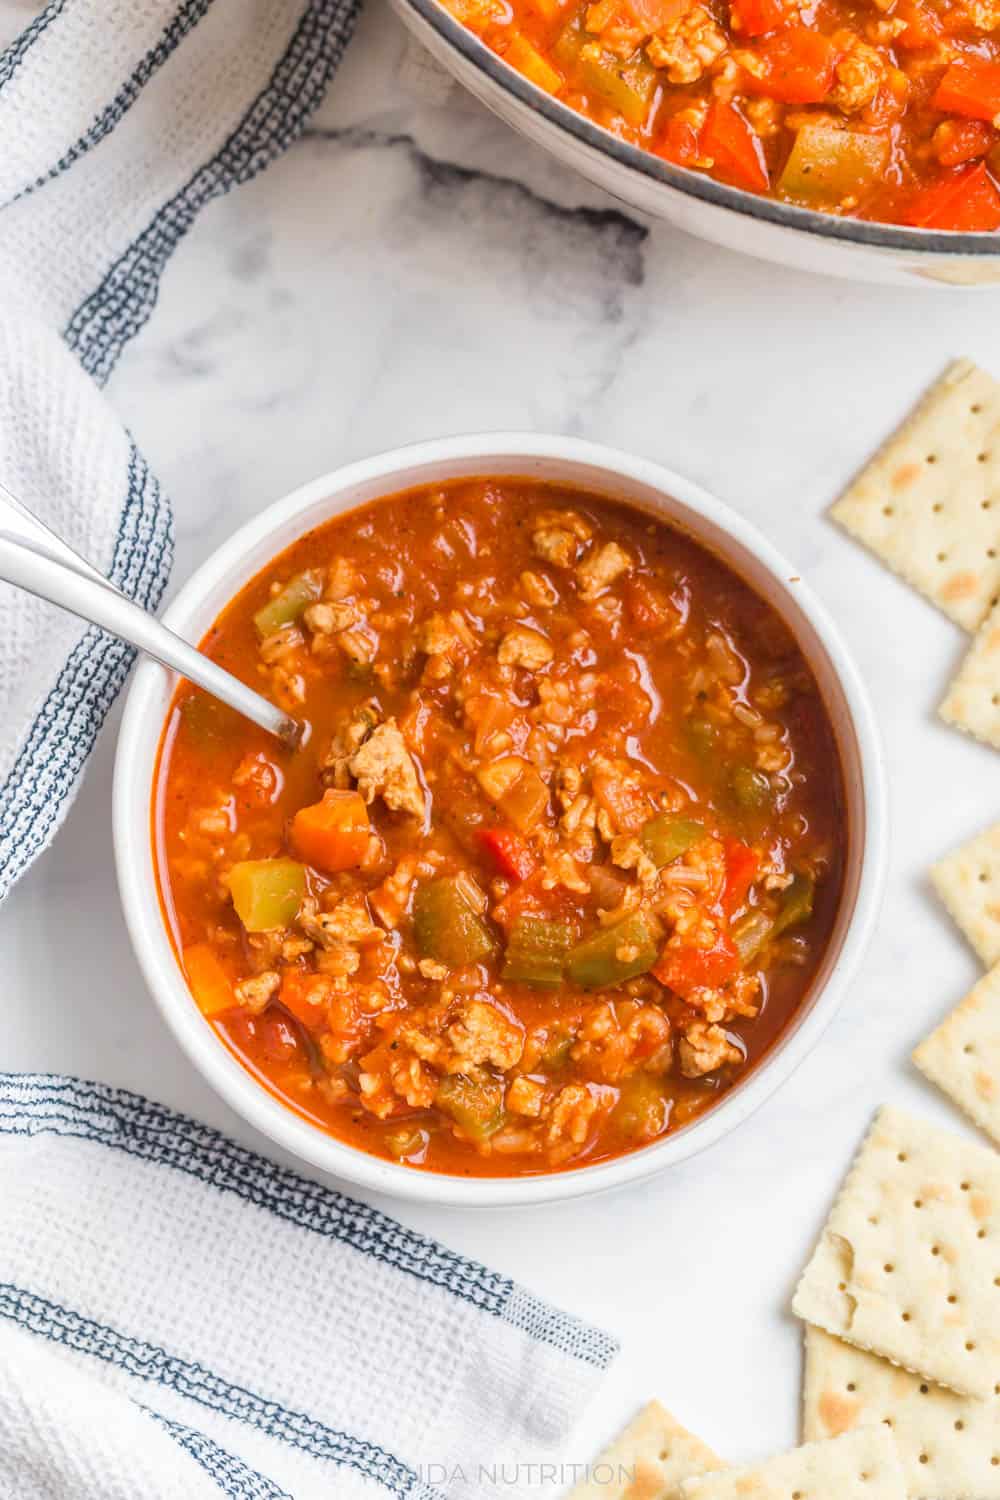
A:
(34, 558)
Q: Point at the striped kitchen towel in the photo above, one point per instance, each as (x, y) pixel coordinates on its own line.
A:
(119, 121)
(180, 1317)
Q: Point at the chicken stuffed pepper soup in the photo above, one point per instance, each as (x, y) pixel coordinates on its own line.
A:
(559, 858)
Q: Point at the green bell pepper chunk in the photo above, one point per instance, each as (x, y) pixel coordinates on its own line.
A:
(750, 934)
(616, 953)
(536, 951)
(701, 735)
(827, 165)
(476, 1104)
(555, 1053)
(642, 1109)
(267, 893)
(796, 903)
(405, 1142)
(749, 788)
(666, 836)
(627, 86)
(285, 608)
(447, 923)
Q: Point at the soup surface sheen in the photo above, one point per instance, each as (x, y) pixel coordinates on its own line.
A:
(560, 856)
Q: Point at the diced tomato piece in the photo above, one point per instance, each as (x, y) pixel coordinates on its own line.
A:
(756, 17)
(741, 867)
(735, 148)
(333, 834)
(971, 87)
(653, 15)
(922, 26)
(798, 66)
(958, 141)
(679, 143)
(511, 853)
(684, 969)
(966, 200)
(305, 995)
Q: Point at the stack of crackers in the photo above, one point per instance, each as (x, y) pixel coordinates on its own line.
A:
(901, 1298)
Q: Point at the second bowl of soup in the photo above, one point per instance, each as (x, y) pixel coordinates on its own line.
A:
(580, 847)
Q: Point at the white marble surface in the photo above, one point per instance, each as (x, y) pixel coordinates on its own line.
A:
(412, 268)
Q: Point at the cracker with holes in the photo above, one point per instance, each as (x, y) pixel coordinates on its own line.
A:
(928, 504)
(968, 882)
(963, 1055)
(972, 701)
(862, 1465)
(908, 1264)
(949, 1445)
(647, 1460)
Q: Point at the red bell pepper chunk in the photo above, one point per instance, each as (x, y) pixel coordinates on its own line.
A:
(798, 66)
(511, 853)
(958, 141)
(756, 17)
(967, 200)
(922, 26)
(741, 867)
(735, 148)
(679, 143)
(971, 87)
(685, 969)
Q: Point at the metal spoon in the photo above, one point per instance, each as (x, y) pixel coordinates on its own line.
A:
(34, 558)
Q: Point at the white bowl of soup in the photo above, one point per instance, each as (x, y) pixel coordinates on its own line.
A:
(583, 846)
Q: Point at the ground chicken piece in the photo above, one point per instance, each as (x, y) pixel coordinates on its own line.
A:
(338, 933)
(446, 635)
(483, 1034)
(524, 647)
(559, 535)
(571, 1115)
(431, 969)
(296, 947)
(390, 900)
(765, 115)
(598, 571)
(346, 742)
(858, 77)
(413, 1081)
(341, 579)
(349, 922)
(984, 15)
(628, 854)
(525, 1097)
(688, 46)
(563, 870)
(328, 619)
(384, 767)
(257, 993)
(614, 1044)
(735, 999)
(539, 590)
(703, 1048)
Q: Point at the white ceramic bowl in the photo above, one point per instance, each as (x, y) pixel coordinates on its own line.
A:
(762, 227)
(605, 471)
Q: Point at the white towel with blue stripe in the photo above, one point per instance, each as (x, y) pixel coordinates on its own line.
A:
(180, 1319)
(119, 121)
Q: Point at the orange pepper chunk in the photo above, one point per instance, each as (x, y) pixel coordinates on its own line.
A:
(305, 995)
(970, 87)
(208, 981)
(332, 834)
